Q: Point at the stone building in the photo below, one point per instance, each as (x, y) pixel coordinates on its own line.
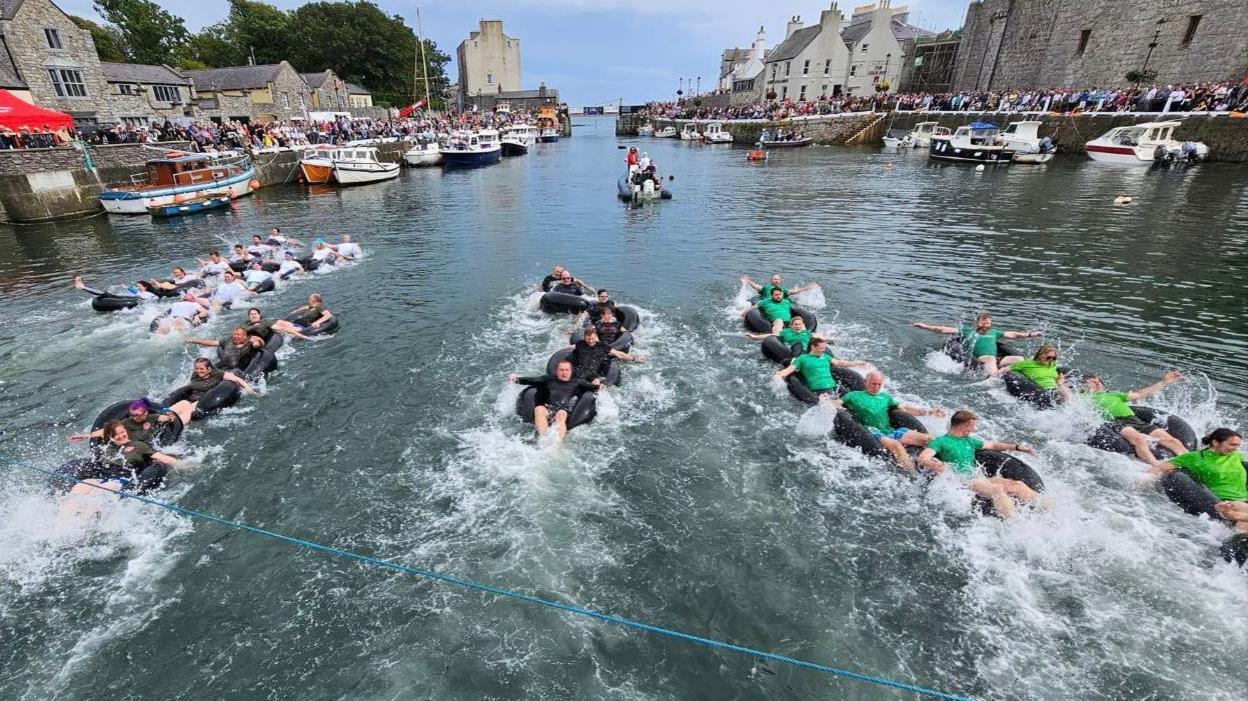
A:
(326, 91)
(1084, 43)
(9, 78)
(55, 60)
(811, 61)
(742, 81)
(517, 99)
(140, 94)
(358, 97)
(243, 93)
(881, 46)
(488, 61)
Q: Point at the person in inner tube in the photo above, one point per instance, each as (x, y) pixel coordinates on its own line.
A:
(569, 285)
(256, 276)
(981, 340)
(121, 455)
(289, 267)
(608, 327)
(227, 293)
(1041, 370)
(764, 291)
(322, 253)
(234, 351)
(870, 408)
(815, 368)
(589, 356)
(955, 452)
(257, 326)
(138, 289)
(346, 249)
(140, 423)
(777, 310)
(556, 276)
(240, 255)
(181, 279)
(212, 267)
(562, 391)
(1114, 407)
(795, 333)
(593, 312)
(312, 315)
(258, 248)
(183, 314)
(203, 378)
(276, 238)
(1218, 467)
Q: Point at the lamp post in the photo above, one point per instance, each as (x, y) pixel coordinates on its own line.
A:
(1153, 44)
(698, 91)
(680, 90)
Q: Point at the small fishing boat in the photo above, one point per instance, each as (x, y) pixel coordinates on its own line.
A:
(756, 154)
(922, 133)
(665, 133)
(513, 145)
(788, 142)
(645, 130)
(526, 133)
(898, 142)
(548, 135)
(469, 149)
(1142, 144)
(180, 175)
(690, 133)
(423, 154)
(359, 166)
(193, 205)
(317, 164)
(977, 142)
(715, 133)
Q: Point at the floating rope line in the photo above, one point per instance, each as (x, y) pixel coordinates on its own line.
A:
(498, 591)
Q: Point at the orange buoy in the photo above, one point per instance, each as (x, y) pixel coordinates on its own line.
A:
(254, 184)
(756, 155)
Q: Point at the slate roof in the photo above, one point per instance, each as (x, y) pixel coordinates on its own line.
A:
(8, 8)
(315, 80)
(353, 89)
(141, 73)
(526, 94)
(234, 77)
(795, 44)
(853, 32)
(9, 78)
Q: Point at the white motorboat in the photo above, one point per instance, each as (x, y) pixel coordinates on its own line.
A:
(645, 130)
(473, 149)
(527, 133)
(690, 133)
(317, 164)
(357, 166)
(665, 133)
(1022, 140)
(715, 133)
(181, 176)
(922, 133)
(548, 135)
(977, 142)
(513, 145)
(424, 154)
(1142, 144)
(898, 141)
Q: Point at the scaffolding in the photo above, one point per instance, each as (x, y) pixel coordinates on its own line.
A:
(932, 71)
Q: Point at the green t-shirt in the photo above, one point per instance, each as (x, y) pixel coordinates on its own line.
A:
(765, 292)
(815, 371)
(1223, 474)
(957, 452)
(133, 455)
(1043, 374)
(871, 410)
(1112, 405)
(981, 344)
(788, 337)
(772, 310)
(140, 431)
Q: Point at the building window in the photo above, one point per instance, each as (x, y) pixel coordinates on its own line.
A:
(806, 68)
(1192, 23)
(802, 95)
(134, 121)
(53, 37)
(775, 67)
(285, 101)
(67, 82)
(302, 104)
(489, 78)
(787, 66)
(864, 48)
(827, 66)
(126, 89)
(823, 89)
(853, 69)
(166, 93)
(1084, 36)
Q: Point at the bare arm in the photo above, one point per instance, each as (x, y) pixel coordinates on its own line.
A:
(631, 357)
(998, 445)
(797, 290)
(921, 411)
(166, 459)
(837, 363)
(927, 459)
(950, 330)
(1145, 392)
(757, 336)
(1022, 334)
(781, 374)
(753, 285)
(202, 342)
(324, 318)
(240, 382)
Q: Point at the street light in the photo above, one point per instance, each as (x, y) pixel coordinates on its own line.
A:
(1153, 44)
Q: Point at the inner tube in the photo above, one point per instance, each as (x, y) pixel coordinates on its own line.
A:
(561, 303)
(266, 286)
(1021, 387)
(997, 464)
(309, 263)
(1107, 436)
(323, 330)
(152, 476)
(846, 381)
(755, 322)
(262, 363)
(1235, 549)
(1191, 496)
(852, 433)
(178, 290)
(584, 411)
(222, 396)
(775, 350)
(628, 316)
(956, 349)
(622, 343)
(166, 433)
(609, 377)
(111, 303)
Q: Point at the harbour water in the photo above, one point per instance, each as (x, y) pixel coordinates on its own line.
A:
(701, 499)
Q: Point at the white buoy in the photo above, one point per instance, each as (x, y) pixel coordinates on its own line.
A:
(979, 168)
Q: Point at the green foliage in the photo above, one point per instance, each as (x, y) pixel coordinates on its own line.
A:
(211, 48)
(259, 27)
(109, 45)
(1147, 75)
(149, 33)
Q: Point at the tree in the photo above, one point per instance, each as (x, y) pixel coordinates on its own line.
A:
(108, 42)
(150, 34)
(1147, 75)
(259, 27)
(209, 48)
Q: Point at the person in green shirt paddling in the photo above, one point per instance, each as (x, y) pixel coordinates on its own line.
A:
(980, 340)
(795, 333)
(956, 451)
(1218, 467)
(764, 291)
(1114, 407)
(815, 367)
(1043, 372)
(870, 408)
(777, 310)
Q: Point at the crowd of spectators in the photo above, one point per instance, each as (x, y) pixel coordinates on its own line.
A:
(1200, 97)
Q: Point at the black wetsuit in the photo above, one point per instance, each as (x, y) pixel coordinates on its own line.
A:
(262, 329)
(130, 461)
(232, 357)
(608, 332)
(589, 361)
(141, 431)
(569, 288)
(596, 308)
(548, 282)
(560, 395)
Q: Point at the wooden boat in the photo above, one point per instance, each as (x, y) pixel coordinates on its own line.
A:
(358, 166)
(193, 205)
(317, 164)
(178, 176)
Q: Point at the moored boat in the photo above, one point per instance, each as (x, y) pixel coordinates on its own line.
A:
(788, 143)
(526, 133)
(645, 130)
(317, 164)
(921, 135)
(192, 205)
(665, 133)
(472, 149)
(715, 133)
(1142, 144)
(180, 175)
(423, 154)
(690, 133)
(358, 166)
(977, 142)
(513, 145)
(548, 135)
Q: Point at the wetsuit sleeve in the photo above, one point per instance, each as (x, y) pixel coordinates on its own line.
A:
(531, 381)
(586, 385)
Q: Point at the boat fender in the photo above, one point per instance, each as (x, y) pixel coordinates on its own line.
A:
(560, 303)
(1021, 387)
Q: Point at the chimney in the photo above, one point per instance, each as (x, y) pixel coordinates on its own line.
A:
(541, 89)
(795, 23)
(831, 18)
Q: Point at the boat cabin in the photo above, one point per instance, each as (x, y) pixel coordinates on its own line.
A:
(181, 169)
(1149, 133)
(356, 154)
(977, 134)
(487, 138)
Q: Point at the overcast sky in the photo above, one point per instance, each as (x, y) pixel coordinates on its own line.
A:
(597, 51)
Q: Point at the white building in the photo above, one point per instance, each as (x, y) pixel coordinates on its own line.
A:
(811, 62)
(742, 80)
(488, 60)
(881, 43)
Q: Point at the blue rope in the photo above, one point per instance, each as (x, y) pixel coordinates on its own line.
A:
(605, 617)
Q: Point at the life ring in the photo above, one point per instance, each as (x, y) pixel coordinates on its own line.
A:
(111, 303)
(956, 349)
(997, 464)
(323, 330)
(755, 322)
(223, 396)
(583, 411)
(846, 381)
(852, 433)
(1107, 437)
(166, 433)
(562, 303)
(611, 376)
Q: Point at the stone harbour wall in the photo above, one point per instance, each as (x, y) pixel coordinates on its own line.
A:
(827, 130)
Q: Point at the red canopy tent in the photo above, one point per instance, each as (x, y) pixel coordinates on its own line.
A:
(16, 113)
